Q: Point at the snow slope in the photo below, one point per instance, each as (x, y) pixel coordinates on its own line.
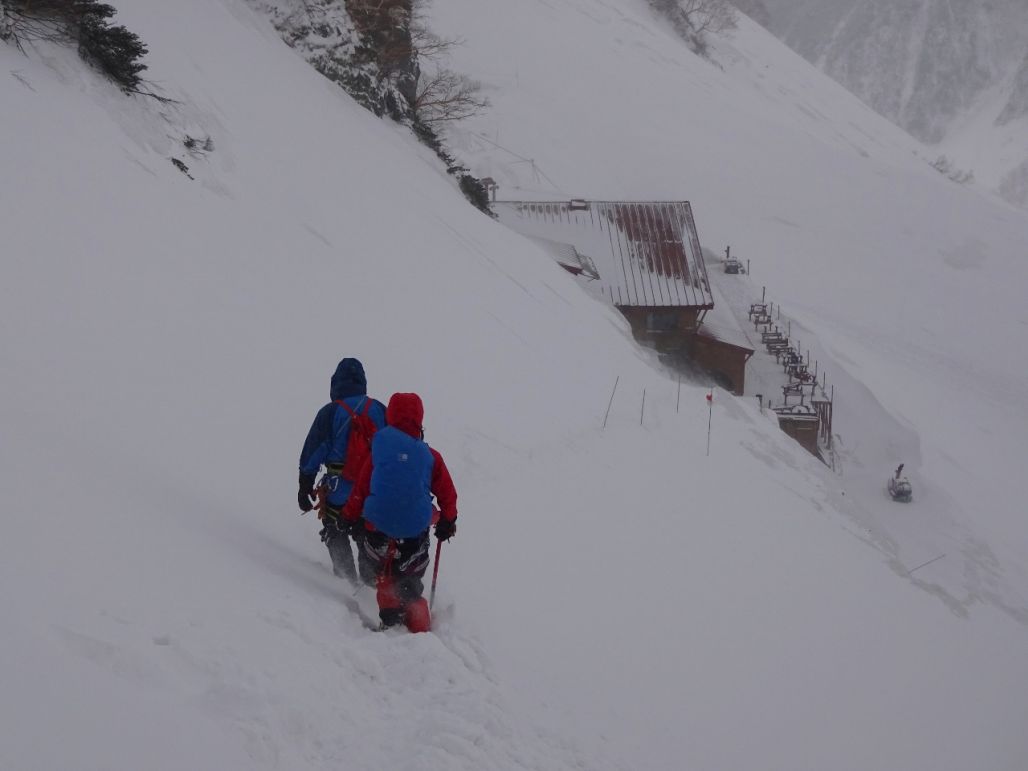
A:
(615, 597)
(864, 244)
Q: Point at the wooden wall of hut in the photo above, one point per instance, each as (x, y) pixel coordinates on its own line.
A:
(667, 329)
(803, 428)
(724, 360)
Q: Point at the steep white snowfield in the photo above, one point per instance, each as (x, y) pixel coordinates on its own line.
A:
(912, 284)
(615, 598)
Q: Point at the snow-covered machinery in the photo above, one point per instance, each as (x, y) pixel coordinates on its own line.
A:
(899, 487)
(732, 265)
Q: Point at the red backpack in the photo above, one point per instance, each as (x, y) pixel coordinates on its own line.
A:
(358, 445)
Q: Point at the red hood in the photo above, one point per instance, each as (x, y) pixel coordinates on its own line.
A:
(406, 412)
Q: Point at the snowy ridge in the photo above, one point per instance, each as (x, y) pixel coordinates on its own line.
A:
(953, 74)
(615, 598)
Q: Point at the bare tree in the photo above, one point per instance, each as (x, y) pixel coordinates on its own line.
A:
(444, 96)
(709, 15)
(430, 46)
(420, 42)
(694, 20)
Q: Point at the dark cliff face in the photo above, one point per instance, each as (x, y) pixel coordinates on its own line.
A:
(367, 51)
(368, 48)
(1017, 106)
(386, 42)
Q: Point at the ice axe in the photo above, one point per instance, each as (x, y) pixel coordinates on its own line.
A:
(435, 572)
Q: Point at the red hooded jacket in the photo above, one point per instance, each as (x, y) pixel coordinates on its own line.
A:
(406, 413)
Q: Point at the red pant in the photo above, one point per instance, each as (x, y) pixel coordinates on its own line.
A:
(400, 564)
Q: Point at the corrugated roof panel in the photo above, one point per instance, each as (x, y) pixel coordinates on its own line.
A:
(647, 253)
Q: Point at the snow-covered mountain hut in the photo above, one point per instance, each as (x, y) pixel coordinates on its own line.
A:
(644, 258)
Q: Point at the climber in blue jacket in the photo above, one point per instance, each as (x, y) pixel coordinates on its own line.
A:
(339, 439)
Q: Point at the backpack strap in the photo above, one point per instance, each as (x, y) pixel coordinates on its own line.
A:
(351, 413)
(365, 401)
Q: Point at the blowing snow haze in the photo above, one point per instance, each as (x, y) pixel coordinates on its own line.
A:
(179, 279)
(953, 74)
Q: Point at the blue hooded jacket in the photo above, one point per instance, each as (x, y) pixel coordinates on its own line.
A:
(329, 433)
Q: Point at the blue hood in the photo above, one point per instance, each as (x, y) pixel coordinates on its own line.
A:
(348, 380)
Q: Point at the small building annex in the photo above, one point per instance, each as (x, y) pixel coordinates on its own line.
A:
(644, 258)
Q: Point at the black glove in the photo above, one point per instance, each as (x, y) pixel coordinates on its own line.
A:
(352, 527)
(305, 497)
(445, 528)
(331, 525)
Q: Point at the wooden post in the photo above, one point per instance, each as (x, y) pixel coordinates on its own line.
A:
(925, 564)
(710, 415)
(831, 419)
(611, 400)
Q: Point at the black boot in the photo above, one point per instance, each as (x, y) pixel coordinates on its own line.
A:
(390, 616)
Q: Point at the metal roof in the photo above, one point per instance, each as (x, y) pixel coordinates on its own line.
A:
(647, 253)
(568, 257)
